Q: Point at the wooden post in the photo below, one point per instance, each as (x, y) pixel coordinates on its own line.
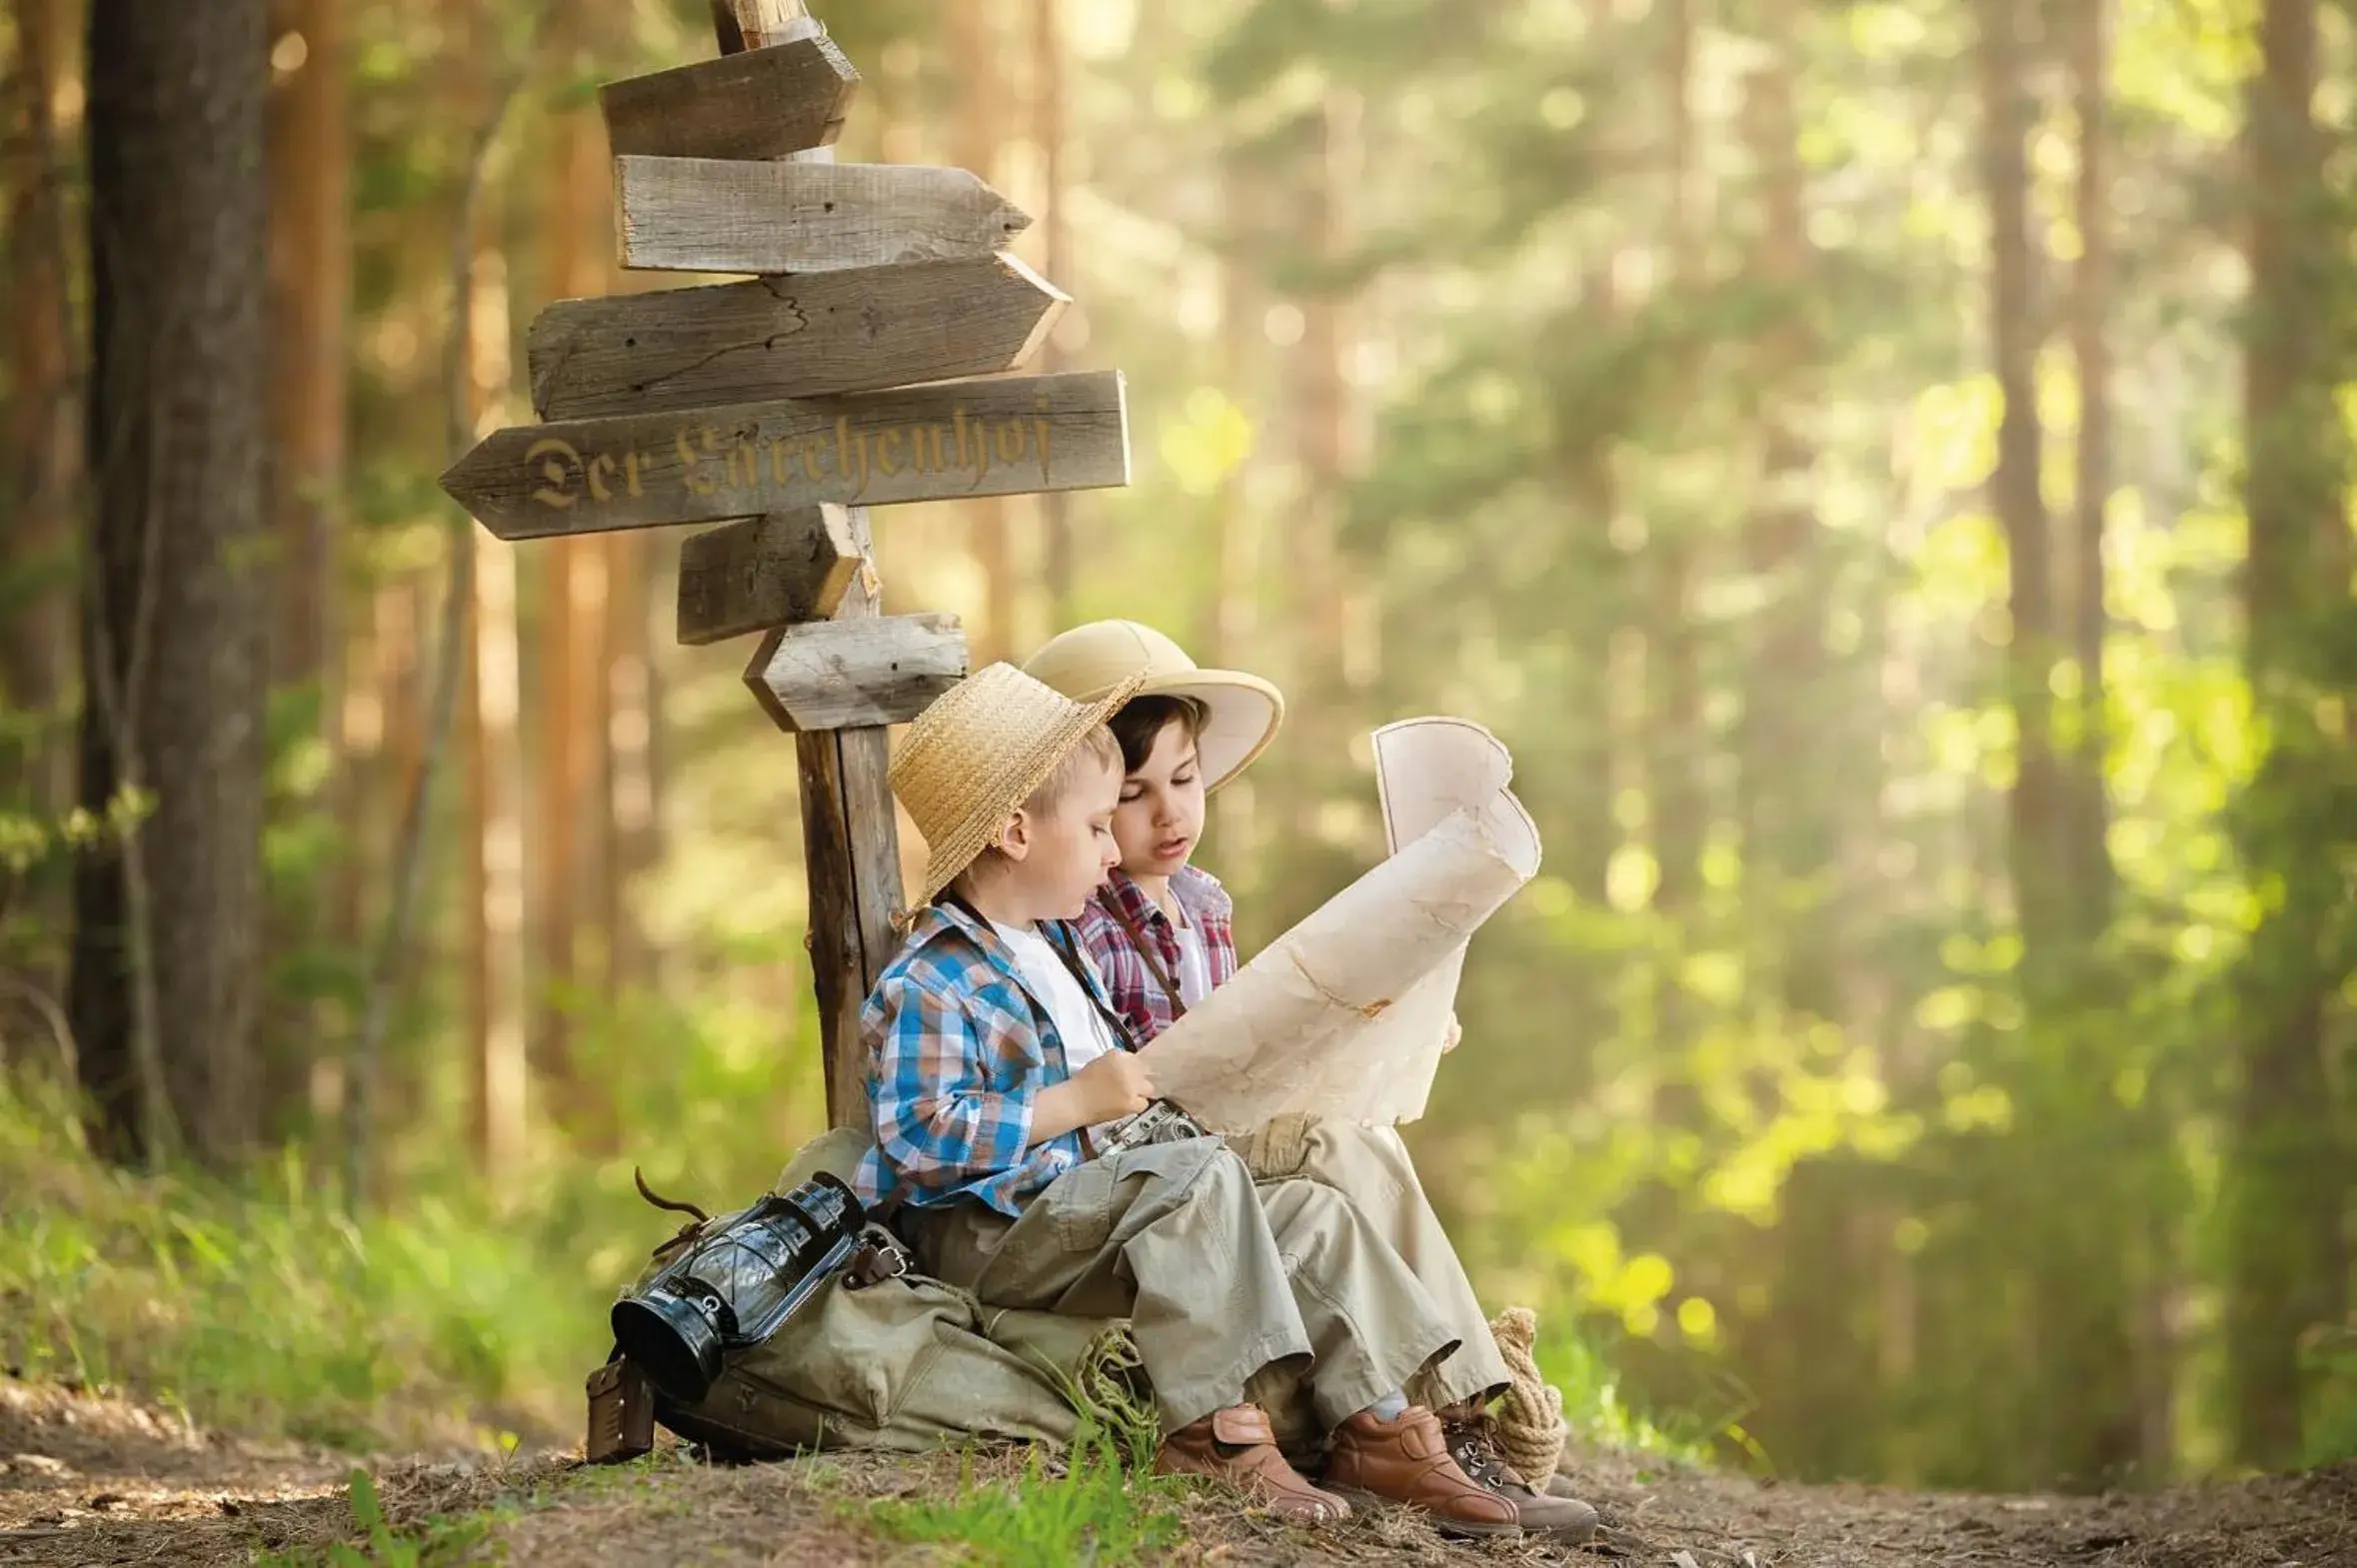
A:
(852, 859)
(851, 842)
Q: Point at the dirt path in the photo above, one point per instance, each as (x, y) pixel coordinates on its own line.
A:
(89, 1483)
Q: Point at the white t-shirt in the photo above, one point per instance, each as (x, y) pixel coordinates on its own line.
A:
(1078, 1024)
(1194, 964)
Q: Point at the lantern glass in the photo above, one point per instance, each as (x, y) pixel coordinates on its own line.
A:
(738, 1285)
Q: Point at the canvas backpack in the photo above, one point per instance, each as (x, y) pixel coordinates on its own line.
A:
(906, 1364)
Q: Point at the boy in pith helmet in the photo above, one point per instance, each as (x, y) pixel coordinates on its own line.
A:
(1160, 931)
(998, 1071)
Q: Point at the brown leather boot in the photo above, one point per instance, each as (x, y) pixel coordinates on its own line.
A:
(1237, 1446)
(1472, 1443)
(1406, 1461)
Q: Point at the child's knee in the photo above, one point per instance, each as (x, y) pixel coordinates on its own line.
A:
(1225, 1172)
(1194, 1170)
(1307, 1217)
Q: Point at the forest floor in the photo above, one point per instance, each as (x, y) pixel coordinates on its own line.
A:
(89, 1481)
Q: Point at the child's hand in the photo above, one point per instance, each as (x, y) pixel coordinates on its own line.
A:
(1115, 1085)
(1452, 1038)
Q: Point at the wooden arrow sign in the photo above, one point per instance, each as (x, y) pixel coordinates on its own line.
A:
(763, 103)
(789, 337)
(1002, 436)
(706, 215)
(851, 674)
(768, 572)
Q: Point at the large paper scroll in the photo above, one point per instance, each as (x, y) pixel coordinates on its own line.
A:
(1343, 1015)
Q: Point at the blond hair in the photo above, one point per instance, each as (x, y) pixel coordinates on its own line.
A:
(1097, 749)
(982, 753)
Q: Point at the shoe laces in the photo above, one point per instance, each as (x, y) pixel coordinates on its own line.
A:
(1478, 1456)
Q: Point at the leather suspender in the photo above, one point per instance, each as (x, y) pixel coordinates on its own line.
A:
(1124, 1036)
(1146, 950)
(1158, 1121)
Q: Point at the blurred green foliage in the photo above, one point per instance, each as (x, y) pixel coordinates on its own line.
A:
(1686, 507)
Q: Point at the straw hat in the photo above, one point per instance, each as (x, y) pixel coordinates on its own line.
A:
(974, 756)
(1243, 711)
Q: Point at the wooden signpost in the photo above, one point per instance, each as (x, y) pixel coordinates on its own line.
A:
(710, 215)
(851, 331)
(782, 407)
(1010, 435)
(773, 571)
(758, 103)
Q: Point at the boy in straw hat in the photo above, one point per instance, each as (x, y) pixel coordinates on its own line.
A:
(1160, 931)
(997, 1065)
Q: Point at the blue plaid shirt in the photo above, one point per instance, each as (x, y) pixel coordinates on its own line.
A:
(958, 1051)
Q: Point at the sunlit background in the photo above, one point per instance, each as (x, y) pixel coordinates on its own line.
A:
(1926, 1053)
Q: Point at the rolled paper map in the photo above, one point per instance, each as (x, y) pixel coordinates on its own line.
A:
(1343, 1016)
(1428, 768)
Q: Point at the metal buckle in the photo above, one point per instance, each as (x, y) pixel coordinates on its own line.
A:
(872, 1265)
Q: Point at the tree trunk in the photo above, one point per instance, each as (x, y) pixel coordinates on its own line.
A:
(1047, 128)
(1784, 784)
(1228, 623)
(2092, 875)
(2286, 1271)
(39, 452)
(1828, 1288)
(490, 700)
(2014, 488)
(310, 306)
(2092, 867)
(177, 625)
(1673, 695)
(973, 40)
(1313, 565)
(632, 719)
(309, 278)
(37, 637)
(573, 607)
(495, 855)
(1323, 654)
(2080, 1296)
(1588, 718)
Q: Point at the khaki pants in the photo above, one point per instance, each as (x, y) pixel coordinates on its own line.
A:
(1218, 1277)
(1372, 1167)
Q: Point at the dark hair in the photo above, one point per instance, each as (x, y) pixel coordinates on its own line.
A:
(1142, 720)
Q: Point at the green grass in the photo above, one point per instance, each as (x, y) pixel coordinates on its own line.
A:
(1093, 1510)
(1595, 1411)
(440, 1541)
(261, 1309)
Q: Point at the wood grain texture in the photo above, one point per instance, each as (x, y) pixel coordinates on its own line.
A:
(709, 215)
(1010, 435)
(852, 854)
(850, 847)
(760, 572)
(760, 104)
(847, 675)
(789, 337)
(759, 23)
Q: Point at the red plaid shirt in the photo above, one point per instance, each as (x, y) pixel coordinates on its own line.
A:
(1129, 980)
